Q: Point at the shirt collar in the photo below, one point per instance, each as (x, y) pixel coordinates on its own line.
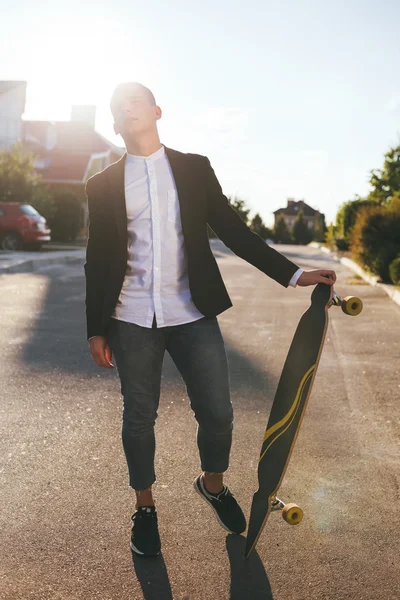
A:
(153, 157)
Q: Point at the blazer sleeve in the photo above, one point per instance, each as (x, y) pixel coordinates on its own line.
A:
(235, 234)
(96, 265)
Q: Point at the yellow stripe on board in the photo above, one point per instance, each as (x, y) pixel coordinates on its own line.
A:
(293, 409)
(280, 423)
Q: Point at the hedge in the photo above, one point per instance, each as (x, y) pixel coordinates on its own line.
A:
(394, 271)
(376, 238)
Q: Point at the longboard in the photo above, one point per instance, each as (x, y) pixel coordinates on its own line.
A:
(288, 408)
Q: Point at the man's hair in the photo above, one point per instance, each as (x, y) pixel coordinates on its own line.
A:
(122, 88)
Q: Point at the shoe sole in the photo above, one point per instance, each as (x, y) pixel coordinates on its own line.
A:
(215, 512)
(133, 547)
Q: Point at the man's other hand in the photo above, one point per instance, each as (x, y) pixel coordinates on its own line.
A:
(101, 352)
(314, 277)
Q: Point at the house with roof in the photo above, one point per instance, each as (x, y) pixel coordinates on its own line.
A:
(67, 152)
(290, 213)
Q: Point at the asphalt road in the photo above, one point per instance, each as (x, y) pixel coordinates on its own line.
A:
(65, 500)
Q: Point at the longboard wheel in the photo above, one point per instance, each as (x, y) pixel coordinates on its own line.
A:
(292, 514)
(351, 305)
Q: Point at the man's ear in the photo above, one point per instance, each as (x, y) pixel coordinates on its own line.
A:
(158, 113)
(116, 130)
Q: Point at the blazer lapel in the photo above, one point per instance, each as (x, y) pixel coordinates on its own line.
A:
(117, 189)
(177, 162)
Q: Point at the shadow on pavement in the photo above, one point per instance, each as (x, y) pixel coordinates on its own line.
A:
(248, 576)
(57, 339)
(152, 575)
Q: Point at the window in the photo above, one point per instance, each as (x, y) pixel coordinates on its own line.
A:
(27, 209)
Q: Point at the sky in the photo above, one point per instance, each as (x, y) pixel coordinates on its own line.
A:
(288, 99)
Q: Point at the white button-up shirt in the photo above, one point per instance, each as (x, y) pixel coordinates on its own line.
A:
(156, 280)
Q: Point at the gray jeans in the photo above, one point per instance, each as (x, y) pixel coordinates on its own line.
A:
(198, 351)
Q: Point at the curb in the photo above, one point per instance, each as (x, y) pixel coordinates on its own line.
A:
(372, 279)
(325, 250)
(32, 264)
(390, 290)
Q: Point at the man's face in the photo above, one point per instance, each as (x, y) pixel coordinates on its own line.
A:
(134, 114)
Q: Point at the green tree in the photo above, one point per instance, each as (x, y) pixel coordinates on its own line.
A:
(394, 271)
(240, 207)
(347, 215)
(301, 233)
(385, 190)
(281, 232)
(385, 182)
(67, 219)
(376, 238)
(330, 237)
(394, 202)
(17, 175)
(320, 228)
(258, 226)
(43, 201)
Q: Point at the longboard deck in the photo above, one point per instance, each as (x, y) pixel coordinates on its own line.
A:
(288, 408)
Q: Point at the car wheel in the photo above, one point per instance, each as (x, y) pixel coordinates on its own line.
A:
(11, 241)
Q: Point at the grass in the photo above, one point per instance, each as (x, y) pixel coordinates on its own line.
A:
(356, 280)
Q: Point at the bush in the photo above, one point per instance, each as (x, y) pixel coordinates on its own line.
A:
(342, 244)
(394, 271)
(281, 233)
(67, 219)
(258, 226)
(330, 237)
(320, 228)
(347, 215)
(301, 233)
(17, 175)
(376, 238)
(44, 202)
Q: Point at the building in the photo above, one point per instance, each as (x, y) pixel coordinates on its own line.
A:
(66, 153)
(12, 107)
(312, 217)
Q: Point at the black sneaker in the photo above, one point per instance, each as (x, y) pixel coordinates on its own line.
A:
(145, 539)
(228, 512)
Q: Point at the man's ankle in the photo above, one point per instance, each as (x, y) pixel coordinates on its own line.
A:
(213, 482)
(144, 498)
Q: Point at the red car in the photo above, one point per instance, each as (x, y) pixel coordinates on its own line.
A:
(22, 227)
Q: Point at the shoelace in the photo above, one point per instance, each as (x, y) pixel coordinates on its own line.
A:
(143, 513)
(224, 492)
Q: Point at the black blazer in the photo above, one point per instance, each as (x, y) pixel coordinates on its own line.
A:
(201, 201)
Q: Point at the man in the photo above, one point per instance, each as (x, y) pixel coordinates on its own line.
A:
(153, 284)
